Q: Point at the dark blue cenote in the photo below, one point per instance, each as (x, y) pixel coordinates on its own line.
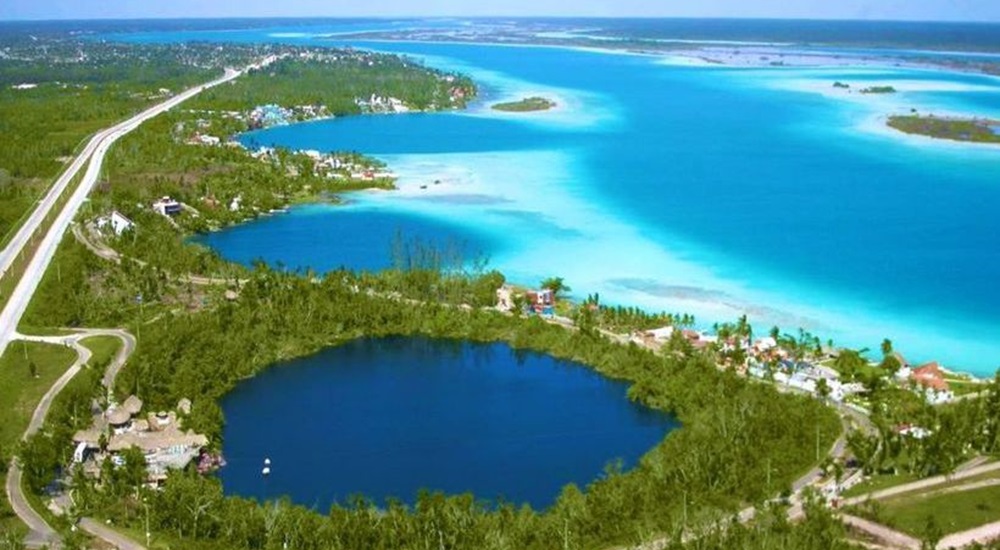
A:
(389, 417)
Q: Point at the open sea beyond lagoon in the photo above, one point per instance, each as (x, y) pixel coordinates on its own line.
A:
(389, 417)
(710, 190)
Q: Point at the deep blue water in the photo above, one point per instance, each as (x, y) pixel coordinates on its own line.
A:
(657, 183)
(362, 239)
(386, 418)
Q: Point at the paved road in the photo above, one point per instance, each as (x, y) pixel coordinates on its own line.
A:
(19, 299)
(893, 538)
(108, 535)
(84, 235)
(40, 532)
(923, 484)
(982, 535)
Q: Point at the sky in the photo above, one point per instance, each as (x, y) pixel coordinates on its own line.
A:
(935, 10)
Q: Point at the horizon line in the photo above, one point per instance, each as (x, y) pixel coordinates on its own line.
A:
(515, 17)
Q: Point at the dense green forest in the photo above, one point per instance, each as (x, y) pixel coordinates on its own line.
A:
(57, 91)
(956, 432)
(337, 79)
(741, 442)
(158, 159)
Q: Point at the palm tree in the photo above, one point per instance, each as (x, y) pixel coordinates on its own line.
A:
(556, 285)
(886, 347)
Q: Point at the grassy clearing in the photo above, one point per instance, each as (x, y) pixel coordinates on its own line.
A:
(19, 391)
(19, 395)
(104, 348)
(879, 482)
(965, 387)
(953, 512)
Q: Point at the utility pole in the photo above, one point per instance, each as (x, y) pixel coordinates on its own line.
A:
(685, 509)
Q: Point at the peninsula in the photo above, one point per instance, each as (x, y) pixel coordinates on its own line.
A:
(974, 130)
(528, 104)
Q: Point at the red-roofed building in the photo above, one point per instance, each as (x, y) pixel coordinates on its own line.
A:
(930, 376)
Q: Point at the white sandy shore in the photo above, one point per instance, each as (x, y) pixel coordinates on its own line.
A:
(877, 108)
(507, 194)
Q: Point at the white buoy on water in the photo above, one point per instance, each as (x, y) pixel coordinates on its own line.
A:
(266, 471)
(267, 462)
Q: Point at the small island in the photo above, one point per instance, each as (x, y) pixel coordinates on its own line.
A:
(879, 90)
(526, 105)
(955, 129)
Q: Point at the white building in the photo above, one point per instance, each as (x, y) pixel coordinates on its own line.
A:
(661, 334)
(167, 207)
(116, 221)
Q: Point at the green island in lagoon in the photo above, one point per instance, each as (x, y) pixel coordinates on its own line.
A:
(527, 104)
(319, 296)
(950, 128)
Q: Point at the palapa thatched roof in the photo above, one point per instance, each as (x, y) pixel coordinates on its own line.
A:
(119, 416)
(133, 405)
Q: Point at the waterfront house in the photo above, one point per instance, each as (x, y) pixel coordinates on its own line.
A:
(542, 301)
(930, 377)
(167, 207)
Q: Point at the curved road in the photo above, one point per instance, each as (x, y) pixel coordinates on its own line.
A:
(95, 150)
(40, 532)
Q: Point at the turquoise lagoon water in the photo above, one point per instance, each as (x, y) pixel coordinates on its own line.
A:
(697, 189)
(388, 417)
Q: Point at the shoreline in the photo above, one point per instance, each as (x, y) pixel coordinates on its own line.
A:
(702, 57)
(410, 198)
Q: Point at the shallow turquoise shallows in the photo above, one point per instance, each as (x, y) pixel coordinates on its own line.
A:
(693, 189)
(388, 417)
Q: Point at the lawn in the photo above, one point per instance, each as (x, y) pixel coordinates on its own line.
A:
(953, 512)
(963, 387)
(20, 393)
(878, 482)
(104, 349)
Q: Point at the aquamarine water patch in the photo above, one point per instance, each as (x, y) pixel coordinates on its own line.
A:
(716, 192)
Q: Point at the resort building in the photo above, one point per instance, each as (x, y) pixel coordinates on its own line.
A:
(158, 435)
